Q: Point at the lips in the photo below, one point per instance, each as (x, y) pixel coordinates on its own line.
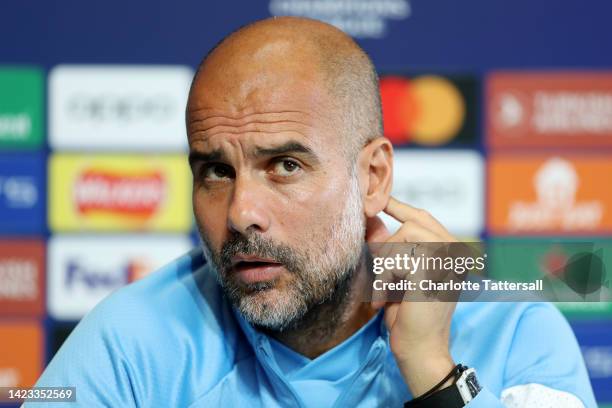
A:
(252, 269)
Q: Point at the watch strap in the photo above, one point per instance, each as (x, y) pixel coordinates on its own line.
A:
(464, 388)
(448, 397)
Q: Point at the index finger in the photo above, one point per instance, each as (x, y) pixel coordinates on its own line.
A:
(401, 211)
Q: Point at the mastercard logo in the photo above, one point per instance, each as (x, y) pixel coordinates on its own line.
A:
(427, 110)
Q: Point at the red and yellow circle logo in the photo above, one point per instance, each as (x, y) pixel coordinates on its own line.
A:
(427, 110)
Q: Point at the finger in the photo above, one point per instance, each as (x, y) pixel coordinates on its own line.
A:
(401, 211)
(376, 230)
(412, 231)
(405, 212)
(391, 310)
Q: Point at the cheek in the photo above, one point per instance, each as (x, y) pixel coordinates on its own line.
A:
(211, 213)
(314, 209)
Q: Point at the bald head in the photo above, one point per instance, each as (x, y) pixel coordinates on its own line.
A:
(279, 52)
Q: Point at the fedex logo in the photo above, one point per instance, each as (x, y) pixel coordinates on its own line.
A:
(77, 284)
(84, 269)
(78, 273)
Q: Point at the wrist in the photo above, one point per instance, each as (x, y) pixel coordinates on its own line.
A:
(462, 391)
(424, 372)
(411, 357)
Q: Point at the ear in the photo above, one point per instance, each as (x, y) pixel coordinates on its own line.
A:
(375, 165)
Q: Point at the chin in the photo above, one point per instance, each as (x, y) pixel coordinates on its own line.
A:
(272, 308)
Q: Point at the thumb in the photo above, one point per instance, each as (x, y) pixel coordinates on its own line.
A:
(391, 310)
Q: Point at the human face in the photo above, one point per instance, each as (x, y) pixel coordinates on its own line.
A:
(277, 204)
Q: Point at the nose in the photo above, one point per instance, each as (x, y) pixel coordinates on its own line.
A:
(247, 209)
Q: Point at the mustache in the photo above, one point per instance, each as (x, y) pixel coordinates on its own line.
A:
(258, 246)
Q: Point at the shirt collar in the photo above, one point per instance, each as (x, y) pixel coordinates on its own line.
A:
(254, 337)
(260, 341)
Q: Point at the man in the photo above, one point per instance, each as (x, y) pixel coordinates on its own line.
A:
(290, 170)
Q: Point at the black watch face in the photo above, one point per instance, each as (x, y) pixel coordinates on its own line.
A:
(472, 384)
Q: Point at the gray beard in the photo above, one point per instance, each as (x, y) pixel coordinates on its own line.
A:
(314, 303)
(321, 319)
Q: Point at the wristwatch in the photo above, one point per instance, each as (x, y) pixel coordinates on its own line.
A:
(463, 390)
(467, 384)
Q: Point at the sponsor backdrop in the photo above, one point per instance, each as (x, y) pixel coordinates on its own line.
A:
(501, 114)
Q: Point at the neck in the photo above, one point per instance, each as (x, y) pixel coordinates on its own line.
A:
(329, 323)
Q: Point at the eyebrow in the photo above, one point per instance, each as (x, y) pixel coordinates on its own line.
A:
(286, 148)
(195, 156)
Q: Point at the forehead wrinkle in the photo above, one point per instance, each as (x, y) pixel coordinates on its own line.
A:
(239, 137)
(208, 121)
(239, 114)
(202, 124)
(256, 137)
(266, 127)
(293, 121)
(206, 136)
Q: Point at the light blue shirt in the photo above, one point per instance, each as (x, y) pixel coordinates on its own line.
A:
(319, 381)
(173, 340)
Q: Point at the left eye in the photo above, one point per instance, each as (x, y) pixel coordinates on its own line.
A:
(286, 167)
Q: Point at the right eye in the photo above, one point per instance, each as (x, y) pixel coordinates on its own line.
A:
(217, 172)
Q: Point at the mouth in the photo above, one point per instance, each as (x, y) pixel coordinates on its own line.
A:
(251, 269)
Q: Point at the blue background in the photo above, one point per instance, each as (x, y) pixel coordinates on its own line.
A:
(472, 36)
(27, 168)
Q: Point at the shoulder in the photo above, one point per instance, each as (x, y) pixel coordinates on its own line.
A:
(180, 305)
(517, 343)
(506, 318)
(177, 294)
(510, 326)
(172, 324)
